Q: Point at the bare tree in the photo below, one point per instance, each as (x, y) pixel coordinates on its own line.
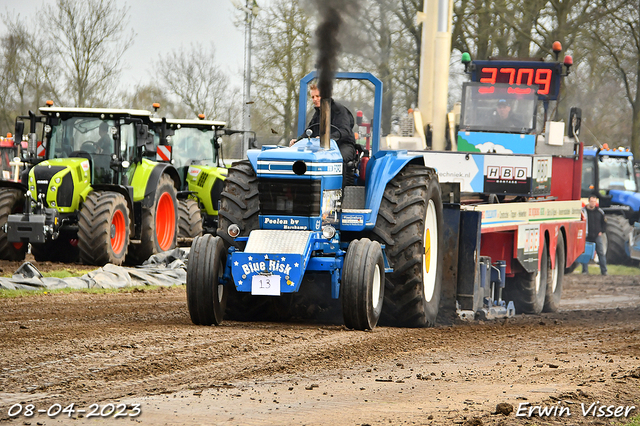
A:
(618, 36)
(195, 78)
(283, 56)
(24, 75)
(90, 38)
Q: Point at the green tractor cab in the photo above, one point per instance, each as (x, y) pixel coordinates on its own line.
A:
(92, 196)
(195, 150)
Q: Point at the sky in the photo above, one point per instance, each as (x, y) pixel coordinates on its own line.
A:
(163, 26)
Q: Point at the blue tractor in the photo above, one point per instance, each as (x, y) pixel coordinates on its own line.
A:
(610, 174)
(287, 221)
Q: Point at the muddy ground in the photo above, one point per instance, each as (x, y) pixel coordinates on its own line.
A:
(141, 348)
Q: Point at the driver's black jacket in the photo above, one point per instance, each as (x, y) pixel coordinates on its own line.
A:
(342, 123)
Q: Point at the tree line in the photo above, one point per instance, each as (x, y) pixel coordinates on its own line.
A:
(75, 58)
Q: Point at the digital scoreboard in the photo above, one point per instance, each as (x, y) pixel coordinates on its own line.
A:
(541, 76)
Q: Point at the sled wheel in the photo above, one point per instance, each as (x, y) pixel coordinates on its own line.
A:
(527, 290)
(11, 201)
(362, 287)
(103, 229)
(410, 224)
(554, 279)
(206, 296)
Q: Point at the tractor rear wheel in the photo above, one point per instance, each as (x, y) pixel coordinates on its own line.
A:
(189, 219)
(206, 296)
(362, 288)
(410, 224)
(619, 233)
(103, 229)
(158, 229)
(554, 279)
(11, 201)
(528, 290)
(239, 202)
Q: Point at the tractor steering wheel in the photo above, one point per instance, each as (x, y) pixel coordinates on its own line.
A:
(89, 147)
(314, 125)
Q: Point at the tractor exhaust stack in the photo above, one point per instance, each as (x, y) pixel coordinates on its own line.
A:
(325, 123)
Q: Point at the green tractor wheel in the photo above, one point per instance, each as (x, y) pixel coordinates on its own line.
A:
(159, 230)
(11, 201)
(189, 219)
(103, 229)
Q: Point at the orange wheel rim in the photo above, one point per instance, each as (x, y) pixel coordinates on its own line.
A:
(118, 232)
(165, 221)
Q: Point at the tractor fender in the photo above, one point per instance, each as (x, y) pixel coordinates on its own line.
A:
(626, 198)
(13, 185)
(381, 168)
(252, 155)
(146, 178)
(126, 192)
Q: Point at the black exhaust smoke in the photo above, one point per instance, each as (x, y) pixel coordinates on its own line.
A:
(328, 44)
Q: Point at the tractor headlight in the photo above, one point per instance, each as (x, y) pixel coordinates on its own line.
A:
(233, 230)
(328, 232)
(330, 205)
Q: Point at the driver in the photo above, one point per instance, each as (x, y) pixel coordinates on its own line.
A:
(342, 123)
(105, 143)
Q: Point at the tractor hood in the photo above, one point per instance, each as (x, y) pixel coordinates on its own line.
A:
(62, 182)
(625, 198)
(304, 159)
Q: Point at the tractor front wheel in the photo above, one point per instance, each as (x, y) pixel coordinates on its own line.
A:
(189, 219)
(11, 201)
(103, 229)
(362, 288)
(206, 295)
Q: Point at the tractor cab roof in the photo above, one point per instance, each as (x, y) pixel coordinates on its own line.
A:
(111, 112)
(183, 122)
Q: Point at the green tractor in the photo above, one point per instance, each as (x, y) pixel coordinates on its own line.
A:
(194, 147)
(91, 195)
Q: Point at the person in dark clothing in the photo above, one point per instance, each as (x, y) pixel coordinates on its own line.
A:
(342, 123)
(596, 226)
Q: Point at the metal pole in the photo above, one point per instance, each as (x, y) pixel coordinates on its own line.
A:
(246, 119)
(441, 74)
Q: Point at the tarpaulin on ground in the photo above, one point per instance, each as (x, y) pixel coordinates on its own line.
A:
(163, 269)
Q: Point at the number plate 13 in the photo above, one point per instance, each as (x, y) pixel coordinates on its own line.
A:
(265, 285)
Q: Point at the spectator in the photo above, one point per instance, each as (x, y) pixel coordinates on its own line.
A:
(596, 226)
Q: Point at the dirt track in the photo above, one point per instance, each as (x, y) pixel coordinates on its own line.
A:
(141, 347)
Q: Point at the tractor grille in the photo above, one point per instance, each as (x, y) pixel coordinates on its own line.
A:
(293, 197)
(43, 175)
(65, 191)
(202, 179)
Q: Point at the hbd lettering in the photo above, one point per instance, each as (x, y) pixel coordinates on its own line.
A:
(506, 173)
